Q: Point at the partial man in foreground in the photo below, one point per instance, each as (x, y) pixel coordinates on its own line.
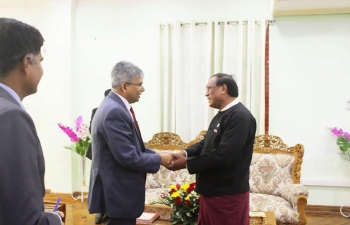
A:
(222, 159)
(120, 161)
(22, 165)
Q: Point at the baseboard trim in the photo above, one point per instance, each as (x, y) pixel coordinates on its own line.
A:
(326, 183)
(325, 209)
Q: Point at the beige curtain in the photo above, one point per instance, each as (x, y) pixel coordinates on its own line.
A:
(189, 53)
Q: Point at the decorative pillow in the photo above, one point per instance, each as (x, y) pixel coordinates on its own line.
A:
(269, 173)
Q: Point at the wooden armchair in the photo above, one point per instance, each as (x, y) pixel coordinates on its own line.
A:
(275, 180)
(165, 142)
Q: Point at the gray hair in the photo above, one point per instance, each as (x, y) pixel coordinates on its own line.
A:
(124, 72)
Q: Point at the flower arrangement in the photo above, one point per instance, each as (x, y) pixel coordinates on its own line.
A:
(343, 141)
(184, 201)
(79, 137)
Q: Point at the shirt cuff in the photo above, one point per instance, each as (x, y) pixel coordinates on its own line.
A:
(185, 153)
(59, 217)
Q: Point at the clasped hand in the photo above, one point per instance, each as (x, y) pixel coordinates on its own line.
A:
(173, 161)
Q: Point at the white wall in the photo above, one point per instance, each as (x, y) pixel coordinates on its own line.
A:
(309, 85)
(52, 103)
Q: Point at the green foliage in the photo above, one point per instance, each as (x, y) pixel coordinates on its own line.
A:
(80, 147)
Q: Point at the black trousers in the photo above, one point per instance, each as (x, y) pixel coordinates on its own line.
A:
(118, 221)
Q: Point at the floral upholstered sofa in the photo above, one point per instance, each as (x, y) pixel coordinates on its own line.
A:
(274, 177)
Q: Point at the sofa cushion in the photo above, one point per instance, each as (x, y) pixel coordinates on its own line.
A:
(270, 203)
(152, 194)
(165, 177)
(269, 173)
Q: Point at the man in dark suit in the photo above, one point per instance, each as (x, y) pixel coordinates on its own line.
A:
(22, 165)
(222, 159)
(89, 151)
(99, 216)
(120, 161)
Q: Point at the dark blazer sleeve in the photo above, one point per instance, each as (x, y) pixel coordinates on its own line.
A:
(21, 172)
(195, 149)
(229, 149)
(118, 127)
(89, 151)
(92, 117)
(150, 151)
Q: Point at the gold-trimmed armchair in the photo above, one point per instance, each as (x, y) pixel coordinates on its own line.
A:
(172, 143)
(275, 180)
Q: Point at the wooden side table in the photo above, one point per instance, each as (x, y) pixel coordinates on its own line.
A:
(270, 218)
(262, 218)
(49, 205)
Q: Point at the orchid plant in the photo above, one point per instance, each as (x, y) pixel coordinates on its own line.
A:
(343, 141)
(80, 137)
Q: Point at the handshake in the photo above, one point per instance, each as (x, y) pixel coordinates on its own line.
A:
(173, 162)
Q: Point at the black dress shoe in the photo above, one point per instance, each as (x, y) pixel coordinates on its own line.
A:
(98, 218)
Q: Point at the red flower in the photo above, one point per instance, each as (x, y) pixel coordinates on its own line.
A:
(192, 185)
(188, 203)
(172, 190)
(178, 201)
(178, 186)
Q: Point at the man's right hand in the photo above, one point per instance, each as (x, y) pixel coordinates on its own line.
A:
(166, 159)
(61, 214)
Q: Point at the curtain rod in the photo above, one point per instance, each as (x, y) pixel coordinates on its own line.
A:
(271, 22)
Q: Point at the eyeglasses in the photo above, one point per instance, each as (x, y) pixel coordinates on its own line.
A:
(139, 84)
(207, 88)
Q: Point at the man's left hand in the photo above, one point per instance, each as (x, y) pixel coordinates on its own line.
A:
(178, 163)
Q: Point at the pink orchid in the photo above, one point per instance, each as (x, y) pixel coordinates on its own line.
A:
(73, 136)
(80, 137)
(83, 132)
(339, 132)
(78, 123)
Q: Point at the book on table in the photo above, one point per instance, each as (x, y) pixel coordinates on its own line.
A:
(147, 218)
(257, 214)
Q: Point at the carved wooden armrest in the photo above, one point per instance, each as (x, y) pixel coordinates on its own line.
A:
(297, 195)
(291, 192)
(302, 201)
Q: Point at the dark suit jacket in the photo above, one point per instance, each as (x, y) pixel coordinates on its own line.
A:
(89, 151)
(221, 161)
(22, 168)
(119, 162)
